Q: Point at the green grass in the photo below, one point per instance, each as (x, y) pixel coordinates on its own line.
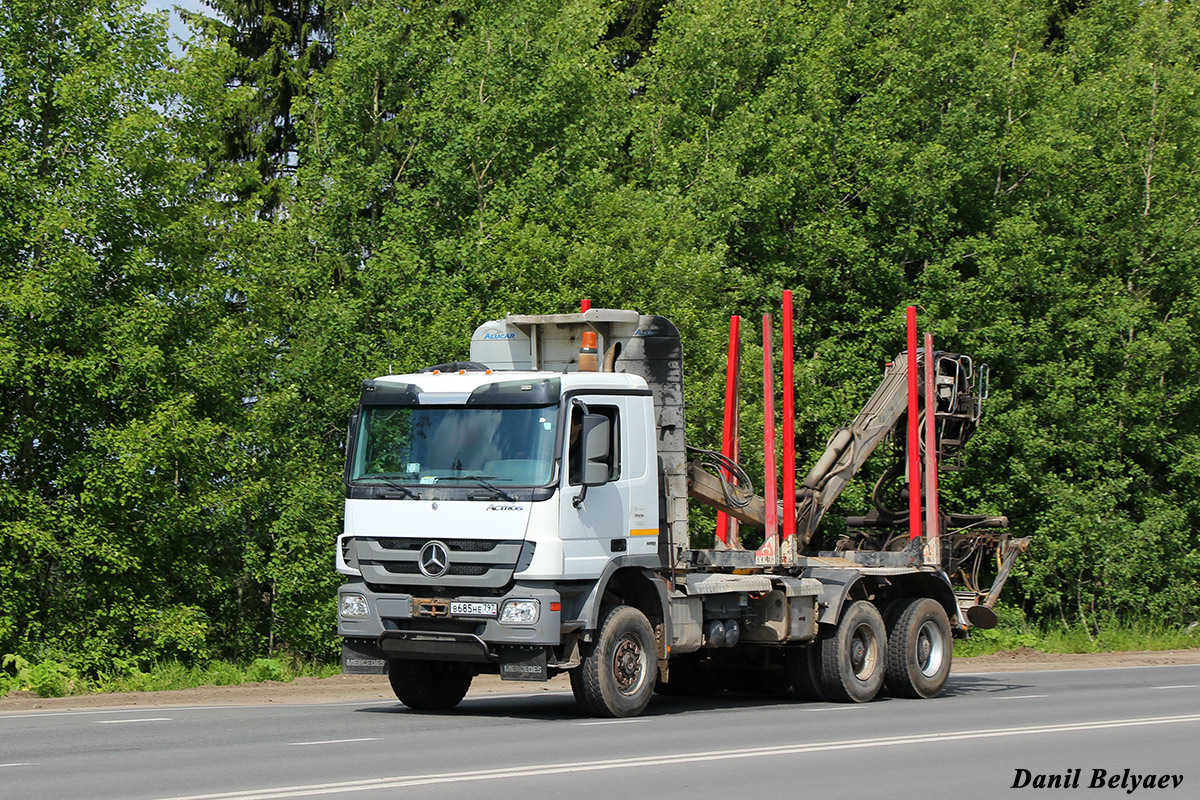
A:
(1014, 631)
(56, 679)
(174, 675)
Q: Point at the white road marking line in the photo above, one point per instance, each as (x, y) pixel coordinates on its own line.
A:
(335, 741)
(847, 707)
(534, 770)
(76, 713)
(613, 721)
(1020, 697)
(263, 706)
(20, 764)
(143, 709)
(124, 721)
(1179, 686)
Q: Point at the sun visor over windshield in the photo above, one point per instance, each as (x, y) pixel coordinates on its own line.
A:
(517, 393)
(387, 393)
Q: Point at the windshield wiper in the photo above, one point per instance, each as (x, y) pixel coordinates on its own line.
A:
(397, 486)
(480, 480)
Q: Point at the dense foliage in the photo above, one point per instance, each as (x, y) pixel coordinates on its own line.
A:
(203, 255)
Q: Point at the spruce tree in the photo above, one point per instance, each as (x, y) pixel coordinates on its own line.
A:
(273, 48)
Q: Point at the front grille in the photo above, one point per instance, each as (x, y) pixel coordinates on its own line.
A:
(468, 569)
(455, 545)
(411, 568)
(476, 563)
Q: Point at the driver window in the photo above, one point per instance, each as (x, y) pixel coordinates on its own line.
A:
(575, 443)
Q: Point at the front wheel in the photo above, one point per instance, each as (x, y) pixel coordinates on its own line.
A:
(428, 685)
(617, 676)
(919, 649)
(851, 655)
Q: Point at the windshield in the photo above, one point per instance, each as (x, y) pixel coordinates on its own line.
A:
(452, 445)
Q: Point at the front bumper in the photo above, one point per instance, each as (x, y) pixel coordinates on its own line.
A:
(420, 627)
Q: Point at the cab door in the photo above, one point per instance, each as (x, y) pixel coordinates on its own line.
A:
(594, 529)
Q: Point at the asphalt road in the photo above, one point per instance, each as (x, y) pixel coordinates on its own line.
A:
(972, 742)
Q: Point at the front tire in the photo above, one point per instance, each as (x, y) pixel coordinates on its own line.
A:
(920, 649)
(852, 655)
(428, 685)
(617, 676)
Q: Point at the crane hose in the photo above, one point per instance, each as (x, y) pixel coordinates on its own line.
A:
(740, 492)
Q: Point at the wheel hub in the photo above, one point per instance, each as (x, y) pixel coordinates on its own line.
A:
(858, 654)
(863, 652)
(930, 649)
(628, 666)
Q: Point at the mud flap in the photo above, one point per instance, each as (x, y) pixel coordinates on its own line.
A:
(362, 657)
(523, 664)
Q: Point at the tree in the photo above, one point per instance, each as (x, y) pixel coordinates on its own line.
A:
(206, 257)
(119, 375)
(267, 54)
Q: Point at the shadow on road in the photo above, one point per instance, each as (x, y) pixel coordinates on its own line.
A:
(980, 684)
(561, 706)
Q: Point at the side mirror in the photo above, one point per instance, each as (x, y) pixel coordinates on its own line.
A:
(597, 449)
(596, 441)
(351, 436)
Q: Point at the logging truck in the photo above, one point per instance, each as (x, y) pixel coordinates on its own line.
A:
(526, 513)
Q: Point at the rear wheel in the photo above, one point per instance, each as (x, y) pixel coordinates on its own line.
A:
(852, 655)
(919, 649)
(617, 676)
(428, 685)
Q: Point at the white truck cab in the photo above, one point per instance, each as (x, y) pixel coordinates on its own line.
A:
(486, 508)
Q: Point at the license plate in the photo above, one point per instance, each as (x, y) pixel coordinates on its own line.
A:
(462, 609)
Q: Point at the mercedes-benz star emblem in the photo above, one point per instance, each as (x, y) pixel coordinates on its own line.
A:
(434, 560)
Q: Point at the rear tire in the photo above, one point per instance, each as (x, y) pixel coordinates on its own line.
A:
(920, 649)
(428, 685)
(852, 655)
(617, 676)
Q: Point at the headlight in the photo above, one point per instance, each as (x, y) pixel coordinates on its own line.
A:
(354, 606)
(520, 612)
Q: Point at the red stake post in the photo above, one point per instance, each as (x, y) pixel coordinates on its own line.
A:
(768, 554)
(789, 428)
(726, 525)
(933, 547)
(914, 440)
